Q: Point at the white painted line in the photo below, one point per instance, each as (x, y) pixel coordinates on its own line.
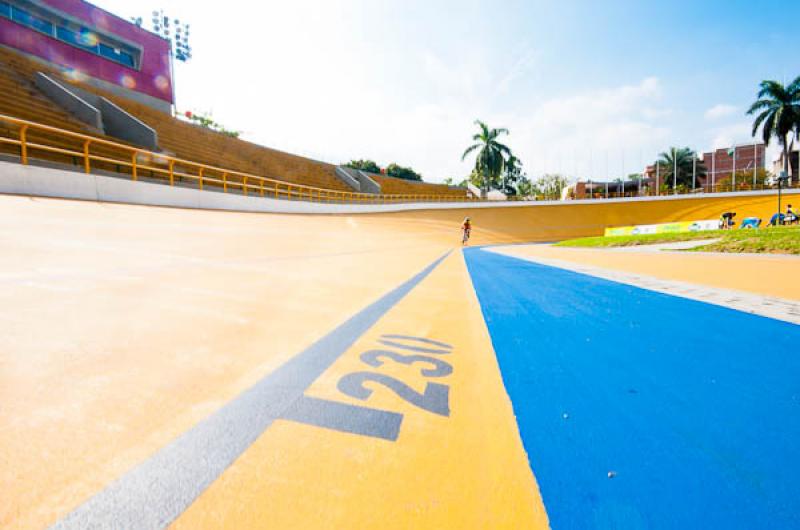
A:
(766, 306)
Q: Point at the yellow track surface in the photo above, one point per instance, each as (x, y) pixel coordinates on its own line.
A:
(756, 273)
(125, 326)
(467, 470)
(564, 220)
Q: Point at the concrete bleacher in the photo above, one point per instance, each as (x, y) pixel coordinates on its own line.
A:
(196, 143)
(177, 138)
(396, 186)
(22, 99)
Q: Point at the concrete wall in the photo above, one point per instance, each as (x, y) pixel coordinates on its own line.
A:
(493, 222)
(115, 121)
(368, 184)
(344, 174)
(69, 101)
(120, 124)
(358, 180)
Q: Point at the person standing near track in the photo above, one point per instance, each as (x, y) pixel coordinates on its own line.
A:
(726, 221)
(791, 215)
(466, 228)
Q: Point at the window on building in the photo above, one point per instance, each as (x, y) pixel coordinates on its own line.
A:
(55, 26)
(24, 17)
(115, 54)
(77, 38)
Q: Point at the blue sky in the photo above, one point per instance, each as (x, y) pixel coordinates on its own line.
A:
(576, 82)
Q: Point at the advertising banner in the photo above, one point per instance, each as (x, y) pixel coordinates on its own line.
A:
(663, 228)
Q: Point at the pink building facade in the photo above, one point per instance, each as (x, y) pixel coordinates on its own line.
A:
(91, 44)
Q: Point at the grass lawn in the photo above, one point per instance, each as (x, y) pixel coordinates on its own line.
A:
(775, 240)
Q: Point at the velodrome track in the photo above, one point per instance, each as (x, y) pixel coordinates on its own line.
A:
(193, 369)
(692, 408)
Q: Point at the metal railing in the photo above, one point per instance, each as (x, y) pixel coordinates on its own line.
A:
(92, 152)
(725, 187)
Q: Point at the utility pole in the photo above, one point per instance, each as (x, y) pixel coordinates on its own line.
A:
(658, 166)
(674, 172)
(713, 170)
(781, 178)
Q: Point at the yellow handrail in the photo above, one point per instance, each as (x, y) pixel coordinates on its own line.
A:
(133, 158)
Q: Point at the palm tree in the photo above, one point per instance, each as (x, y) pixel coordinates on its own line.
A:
(511, 175)
(778, 109)
(689, 168)
(490, 161)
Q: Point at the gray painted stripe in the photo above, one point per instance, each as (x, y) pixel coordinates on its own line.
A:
(345, 417)
(418, 339)
(420, 349)
(157, 491)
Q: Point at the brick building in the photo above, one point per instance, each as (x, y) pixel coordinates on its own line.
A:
(721, 164)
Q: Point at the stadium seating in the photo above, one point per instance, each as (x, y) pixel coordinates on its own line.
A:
(21, 98)
(392, 185)
(176, 137)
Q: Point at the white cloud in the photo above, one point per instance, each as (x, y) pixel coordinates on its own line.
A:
(740, 133)
(322, 79)
(591, 134)
(526, 60)
(403, 83)
(595, 133)
(720, 111)
(730, 134)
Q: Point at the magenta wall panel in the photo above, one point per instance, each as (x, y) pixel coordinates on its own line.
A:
(153, 76)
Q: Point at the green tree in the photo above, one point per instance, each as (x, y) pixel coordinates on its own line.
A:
(549, 186)
(524, 187)
(364, 165)
(208, 123)
(450, 181)
(475, 178)
(778, 110)
(511, 176)
(685, 161)
(744, 178)
(490, 161)
(393, 170)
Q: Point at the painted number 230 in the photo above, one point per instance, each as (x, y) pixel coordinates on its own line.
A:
(436, 396)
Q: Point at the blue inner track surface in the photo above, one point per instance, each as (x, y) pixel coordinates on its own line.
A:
(694, 409)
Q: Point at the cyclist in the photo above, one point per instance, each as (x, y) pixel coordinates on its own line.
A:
(466, 228)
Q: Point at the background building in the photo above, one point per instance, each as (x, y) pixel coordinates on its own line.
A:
(93, 46)
(721, 163)
(794, 164)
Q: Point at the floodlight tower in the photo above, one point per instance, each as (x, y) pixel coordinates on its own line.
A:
(177, 35)
(175, 32)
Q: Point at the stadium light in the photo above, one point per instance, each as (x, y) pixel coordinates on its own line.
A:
(175, 32)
